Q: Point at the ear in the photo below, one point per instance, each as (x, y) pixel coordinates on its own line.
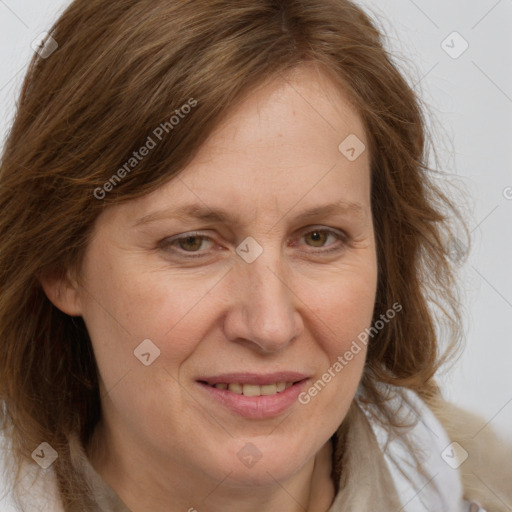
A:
(63, 293)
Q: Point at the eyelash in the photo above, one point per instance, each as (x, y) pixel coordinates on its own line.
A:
(169, 242)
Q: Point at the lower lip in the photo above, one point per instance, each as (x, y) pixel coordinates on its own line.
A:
(257, 407)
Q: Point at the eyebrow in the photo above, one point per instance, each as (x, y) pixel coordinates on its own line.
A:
(204, 213)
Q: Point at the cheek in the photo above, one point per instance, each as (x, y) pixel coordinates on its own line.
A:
(342, 303)
(340, 323)
(340, 327)
(123, 306)
(349, 312)
(343, 307)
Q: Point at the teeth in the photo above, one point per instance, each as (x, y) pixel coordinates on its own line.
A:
(253, 389)
(236, 388)
(281, 386)
(268, 389)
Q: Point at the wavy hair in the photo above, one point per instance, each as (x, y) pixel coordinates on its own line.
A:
(121, 69)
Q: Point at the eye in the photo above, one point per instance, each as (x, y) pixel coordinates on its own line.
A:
(320, 237)
(188, 243)
(191, 243)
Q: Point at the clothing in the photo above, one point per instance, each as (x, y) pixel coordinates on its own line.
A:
(358, 488)
(430, 437)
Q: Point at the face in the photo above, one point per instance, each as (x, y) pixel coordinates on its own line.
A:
(254, 269)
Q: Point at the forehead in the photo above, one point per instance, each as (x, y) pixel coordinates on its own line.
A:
(304, 109)
(278, 149)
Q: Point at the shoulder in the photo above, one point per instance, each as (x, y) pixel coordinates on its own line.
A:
(487, 466)
(421, 443)
(38, 486)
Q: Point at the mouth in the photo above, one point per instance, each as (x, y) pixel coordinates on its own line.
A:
(255, 395)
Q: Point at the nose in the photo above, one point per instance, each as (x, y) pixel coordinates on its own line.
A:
(263, 311)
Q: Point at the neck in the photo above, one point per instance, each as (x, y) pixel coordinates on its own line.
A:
(142, 486)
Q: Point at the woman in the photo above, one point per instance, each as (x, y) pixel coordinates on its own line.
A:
(219, 240)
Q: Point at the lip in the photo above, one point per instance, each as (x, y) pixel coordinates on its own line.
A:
(255, 407)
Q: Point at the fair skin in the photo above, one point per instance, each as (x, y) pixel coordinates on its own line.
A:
(163, 442)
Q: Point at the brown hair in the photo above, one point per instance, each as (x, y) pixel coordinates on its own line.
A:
(121, 69)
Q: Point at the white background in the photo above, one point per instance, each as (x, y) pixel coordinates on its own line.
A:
(470, 101)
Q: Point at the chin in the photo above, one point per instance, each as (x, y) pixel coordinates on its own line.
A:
(248, 465)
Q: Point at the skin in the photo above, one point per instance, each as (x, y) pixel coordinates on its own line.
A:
(297, 307)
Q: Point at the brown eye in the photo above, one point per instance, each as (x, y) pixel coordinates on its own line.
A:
(190, 243)
(324, 240)
(317, 237)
